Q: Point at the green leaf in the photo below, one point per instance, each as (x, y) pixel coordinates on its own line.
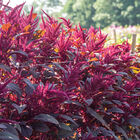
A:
(97, 116)
(46, 118)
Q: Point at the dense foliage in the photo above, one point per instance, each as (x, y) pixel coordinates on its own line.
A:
(57, 81)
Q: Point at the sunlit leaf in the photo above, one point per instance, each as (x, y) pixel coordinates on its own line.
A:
(26, 28)
(6, 26)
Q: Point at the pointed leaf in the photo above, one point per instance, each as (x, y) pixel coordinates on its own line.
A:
(8, 136)
(117, 102)
(65, 127)
(65, 134)
(20, 53)
(137, 137)
(134, 121)
(46, 118)
(115, 110)
(14, 87)
(97, 116)
(11, 129)
(126, 104)
(68, 118)
(89, 101)
(107, 132)
(26, 130)
(73, 102)
(2, 126)
(19, 108)
(120, 130)
(28, 82)
(40, 127)
(28, 90)
(60, 67)
(6, 68)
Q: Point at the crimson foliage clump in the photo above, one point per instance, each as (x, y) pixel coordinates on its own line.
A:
(58, 81)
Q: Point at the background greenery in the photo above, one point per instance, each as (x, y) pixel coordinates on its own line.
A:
(97, 13)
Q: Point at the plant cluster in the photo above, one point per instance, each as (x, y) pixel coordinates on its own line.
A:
(59, 82)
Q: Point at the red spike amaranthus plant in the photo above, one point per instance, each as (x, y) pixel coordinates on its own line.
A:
(58, 81)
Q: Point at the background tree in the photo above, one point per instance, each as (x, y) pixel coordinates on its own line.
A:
(80, 12)
(49, 6)
(119, 12)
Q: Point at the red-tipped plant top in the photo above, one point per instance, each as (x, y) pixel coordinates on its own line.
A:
(58, 81)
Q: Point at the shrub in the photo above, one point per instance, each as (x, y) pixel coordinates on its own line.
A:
(59, 82)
